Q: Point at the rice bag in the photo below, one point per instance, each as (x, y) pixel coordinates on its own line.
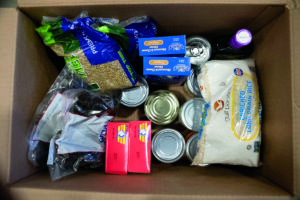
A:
(231, 131)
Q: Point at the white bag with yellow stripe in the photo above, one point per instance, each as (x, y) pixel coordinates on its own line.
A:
(231, 133)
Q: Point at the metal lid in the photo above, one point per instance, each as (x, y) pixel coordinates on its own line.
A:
(191, 146)
(191, 114)
(161, 107)
(192, 84)
(199, 49)
(135, 96)
(168, 145)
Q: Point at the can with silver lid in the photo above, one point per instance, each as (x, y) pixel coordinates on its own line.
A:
(199, 49)
(191, 145)
(191, 83)
(135, 96)
(190, 114)
(168, 145)
(161, 107)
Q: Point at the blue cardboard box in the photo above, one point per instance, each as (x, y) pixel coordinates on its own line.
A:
(166, 70)
(157, 46)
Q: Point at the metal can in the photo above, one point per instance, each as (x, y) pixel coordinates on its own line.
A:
(168, 145)
(199, 49)
(192, 85)
(191, 145)
(190, 114)
(161, 107)
(135, 96)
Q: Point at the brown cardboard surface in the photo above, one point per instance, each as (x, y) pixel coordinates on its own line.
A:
(295, 59)
(8, 22)
(31, 3)
(273, 62)
(165, 182)
(225, 19)
(34, 73)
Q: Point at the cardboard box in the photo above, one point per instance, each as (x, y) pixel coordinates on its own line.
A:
(164, 46)
(29, 68)
(166, 70)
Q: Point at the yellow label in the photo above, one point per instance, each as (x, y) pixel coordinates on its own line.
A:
(158, 62)
(245, 103)
(153, 42)
(122, 134)
(143, 132)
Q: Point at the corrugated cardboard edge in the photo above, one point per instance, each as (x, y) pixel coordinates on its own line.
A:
(8, 23)
(295, 60)
(35, 3)
(29, 193)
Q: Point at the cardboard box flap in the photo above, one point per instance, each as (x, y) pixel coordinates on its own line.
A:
(34, 3)
(8, 24)
(295, 61)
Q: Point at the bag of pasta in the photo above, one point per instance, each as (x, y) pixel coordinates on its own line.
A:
(91, 54)
(231, 132)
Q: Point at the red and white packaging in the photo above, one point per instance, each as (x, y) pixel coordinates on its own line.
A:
(139, 160)
(116, 155)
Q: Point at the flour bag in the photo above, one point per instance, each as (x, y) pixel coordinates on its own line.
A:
(231, 130)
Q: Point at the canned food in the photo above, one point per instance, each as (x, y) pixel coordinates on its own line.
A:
(135, 96)
(168, 145)
(190, 114)
(199, 49)
(191, 145)
(161, 107)
(192, 85)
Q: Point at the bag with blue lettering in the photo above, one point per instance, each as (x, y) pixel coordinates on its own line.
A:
(127, 33)
(231, 132)
(91, 54)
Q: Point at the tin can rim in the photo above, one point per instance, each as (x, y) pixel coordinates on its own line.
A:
(180, 140)
(144, 87)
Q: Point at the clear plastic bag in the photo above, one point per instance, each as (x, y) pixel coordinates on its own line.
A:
(39, 143)
(231, 131)
(81, 142)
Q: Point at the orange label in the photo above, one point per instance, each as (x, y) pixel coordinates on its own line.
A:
(153, 42)
(158, 62)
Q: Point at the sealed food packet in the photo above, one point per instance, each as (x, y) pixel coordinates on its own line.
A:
(127, 33)
(81, 141)
(48, 116)
(231, 129)
(91, 54)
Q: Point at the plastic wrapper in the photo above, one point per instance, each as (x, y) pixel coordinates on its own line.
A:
(41, 130)
(81, 142)
(231, 129)
(127, 33)
(91, 54)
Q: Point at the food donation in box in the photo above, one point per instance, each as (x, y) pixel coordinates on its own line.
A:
(74, 125)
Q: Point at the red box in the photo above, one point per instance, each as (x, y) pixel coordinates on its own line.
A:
(139, 160)
(116, 156)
